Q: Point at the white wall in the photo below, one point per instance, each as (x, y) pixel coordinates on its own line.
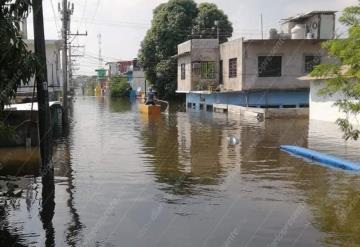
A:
(138, 80)
(53, 62)
(293, 63)
(322, 107)
(229, 50)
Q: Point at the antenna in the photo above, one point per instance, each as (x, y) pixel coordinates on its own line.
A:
(100, 57)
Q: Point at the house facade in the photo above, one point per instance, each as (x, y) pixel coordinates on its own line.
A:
(253, 73)
(54, 70)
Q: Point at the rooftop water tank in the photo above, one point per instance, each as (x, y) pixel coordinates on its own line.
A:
(273, 33)
(298, 32)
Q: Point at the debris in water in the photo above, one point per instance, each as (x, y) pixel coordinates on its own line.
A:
(232, 140)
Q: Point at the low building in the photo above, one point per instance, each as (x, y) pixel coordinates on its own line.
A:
(54, 71)
(322, 107)
(113, 69)
(253, 73)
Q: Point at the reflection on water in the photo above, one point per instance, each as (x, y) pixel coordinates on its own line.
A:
(124, 179)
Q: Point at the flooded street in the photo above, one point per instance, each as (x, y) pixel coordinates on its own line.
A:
(123, 179)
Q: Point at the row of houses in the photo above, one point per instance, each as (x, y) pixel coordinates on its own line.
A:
(260, 73)
(132, 71)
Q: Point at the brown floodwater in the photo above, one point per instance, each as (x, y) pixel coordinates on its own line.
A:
(123, 179)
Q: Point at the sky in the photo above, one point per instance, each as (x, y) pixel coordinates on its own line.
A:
(123, 23)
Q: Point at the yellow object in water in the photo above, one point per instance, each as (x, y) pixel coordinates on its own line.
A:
(98, 91)
(150, 109)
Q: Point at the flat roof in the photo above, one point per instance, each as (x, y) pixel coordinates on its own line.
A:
(307, 15)
(284, 40)
(28, 106)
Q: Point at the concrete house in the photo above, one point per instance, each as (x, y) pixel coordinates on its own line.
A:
(54, 70)
(53, 63)
(260, 73)
(322, 107)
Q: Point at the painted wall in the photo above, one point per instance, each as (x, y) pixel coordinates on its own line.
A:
(298, 98)
(206, 50)
(184, 84)
(322, 107)
(138, 80)
(293, 63)
(53, 62)
(229, 50)
(196, 51)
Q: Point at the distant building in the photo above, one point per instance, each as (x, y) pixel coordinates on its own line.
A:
(113, 68)
(132, 71)
(255, 73)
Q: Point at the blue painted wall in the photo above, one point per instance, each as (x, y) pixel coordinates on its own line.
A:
(298, 98)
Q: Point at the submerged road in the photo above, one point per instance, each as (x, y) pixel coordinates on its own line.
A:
(123, 179)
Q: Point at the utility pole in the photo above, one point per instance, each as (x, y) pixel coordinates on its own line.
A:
(71, 61)
(66, 11)
(42, 89)
(100, 56)
(262, 26)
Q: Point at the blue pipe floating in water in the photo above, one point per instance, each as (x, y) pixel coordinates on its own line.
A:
(322, 158)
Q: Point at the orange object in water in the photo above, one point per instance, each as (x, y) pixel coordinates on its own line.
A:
(150, 109)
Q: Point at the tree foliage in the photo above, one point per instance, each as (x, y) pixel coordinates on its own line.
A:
(173, 23)
(17, 64)
(205, 26)
(119, 87)
(345, 73)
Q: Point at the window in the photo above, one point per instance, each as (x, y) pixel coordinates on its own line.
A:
(311, 62)
(233, 68)
(221, 78)
(207, 70)
(183, 72)
(269, 66)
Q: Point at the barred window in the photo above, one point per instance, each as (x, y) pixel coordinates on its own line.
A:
(269, 66)
(233, 68)
(207, 70)
(311, 62)
(183, 72)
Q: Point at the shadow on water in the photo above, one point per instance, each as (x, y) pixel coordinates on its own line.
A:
(48, 207)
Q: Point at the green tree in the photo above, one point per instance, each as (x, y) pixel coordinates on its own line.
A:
(209, 19)
(17, 64)
(345, 73)
(119, 87)
(173, 23)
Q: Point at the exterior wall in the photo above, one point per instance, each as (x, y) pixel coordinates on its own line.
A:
(327, 27)
(293, 63)
(206, 50)
(184, 85)
(229, 50)
(113, 69)
(125, 66)
(196, 51)
(322, 107)
(53, 62)
(184, 47)
(138, 80)
(264, 99)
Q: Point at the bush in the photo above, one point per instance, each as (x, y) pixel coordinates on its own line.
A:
(119, 87)
(6, 132)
